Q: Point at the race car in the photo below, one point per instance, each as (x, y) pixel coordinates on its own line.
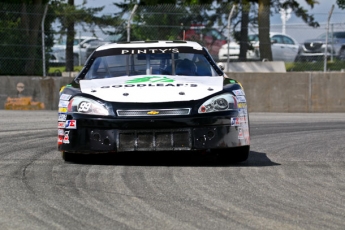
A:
(153, 96)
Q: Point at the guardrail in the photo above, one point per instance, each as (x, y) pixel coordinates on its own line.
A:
(266, 92)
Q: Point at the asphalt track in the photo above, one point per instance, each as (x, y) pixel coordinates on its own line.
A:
(294, 179)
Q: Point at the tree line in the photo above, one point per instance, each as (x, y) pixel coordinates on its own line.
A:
(20, 24)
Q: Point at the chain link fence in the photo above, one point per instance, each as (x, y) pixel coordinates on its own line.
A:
(21, 40)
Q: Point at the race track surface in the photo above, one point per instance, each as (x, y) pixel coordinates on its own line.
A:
(294, 179)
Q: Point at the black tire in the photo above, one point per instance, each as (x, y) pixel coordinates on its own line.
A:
(298, 58)
(233, 155)
(68, 157)
(342, 54)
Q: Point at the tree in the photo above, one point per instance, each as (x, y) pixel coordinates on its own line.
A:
(244, 30)
(341, 4)
(70, 15)
(263, 19)
(21, 29)
(264, 30)
(204, 17)
(70, 38)
(178, 16)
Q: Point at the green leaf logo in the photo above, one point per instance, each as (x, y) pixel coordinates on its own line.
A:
(151, 79)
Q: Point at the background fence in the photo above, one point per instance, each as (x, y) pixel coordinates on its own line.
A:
(21, 30)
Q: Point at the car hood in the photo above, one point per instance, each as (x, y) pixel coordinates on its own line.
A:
(158, 88)
(319, 40)
(232, 45)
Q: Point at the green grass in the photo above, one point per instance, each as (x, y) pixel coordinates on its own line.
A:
(60, 69)
(335, 65)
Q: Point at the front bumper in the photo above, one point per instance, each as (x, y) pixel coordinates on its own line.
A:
(100, 135)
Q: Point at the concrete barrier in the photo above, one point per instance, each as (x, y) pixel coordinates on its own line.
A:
(16, 91)
(293, 91)
(266, 92)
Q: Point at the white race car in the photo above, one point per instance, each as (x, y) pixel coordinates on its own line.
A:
(153, 96)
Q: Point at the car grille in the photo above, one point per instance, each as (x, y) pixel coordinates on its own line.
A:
(313, 46)
(153, 112)
(148, 140)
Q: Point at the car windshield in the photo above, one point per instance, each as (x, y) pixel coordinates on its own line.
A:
(76, 41)
(253, 37)
(187, 64)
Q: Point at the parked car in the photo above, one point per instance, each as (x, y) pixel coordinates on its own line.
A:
(58, 54)
(109, 39)
(234, 51)
(284, 48)
(210, 38)
(315, 49)
(163, 96)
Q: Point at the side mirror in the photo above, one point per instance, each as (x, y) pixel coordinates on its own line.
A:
(273, 41)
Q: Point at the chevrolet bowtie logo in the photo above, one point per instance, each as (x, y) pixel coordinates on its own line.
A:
(153, 112)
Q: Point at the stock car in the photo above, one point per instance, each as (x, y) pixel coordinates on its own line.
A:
(153, 96)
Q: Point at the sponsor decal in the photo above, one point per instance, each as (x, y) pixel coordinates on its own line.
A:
(62, 88)
(246, 134)
(241, 99)
(153, 85)
(63, 103)
(236, 121)
(61, 125)
(61, 132)
(242, 112)
(150, 51)
(232, 81)
(242, 105)
(60, 138)
(66, 137)
(71, 124)
(62, 117)
(238, 92)
(243, 119)
(149, 79)
(63, 110)
(240, 133)
(65, 97)
(153, 112)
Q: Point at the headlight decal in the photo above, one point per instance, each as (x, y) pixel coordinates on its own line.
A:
(85, 105)
(223, 102)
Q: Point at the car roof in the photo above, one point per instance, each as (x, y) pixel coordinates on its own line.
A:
(151, 44)
(271, 34)
(275, 33)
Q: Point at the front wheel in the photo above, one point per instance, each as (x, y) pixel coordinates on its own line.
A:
(342, 54)
(68, 157)
(233, 155)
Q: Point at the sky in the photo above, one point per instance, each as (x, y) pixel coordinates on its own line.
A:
(295, 27)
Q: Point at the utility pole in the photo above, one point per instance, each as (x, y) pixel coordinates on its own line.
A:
(229, 25)
(326, 46)
(129, 23)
